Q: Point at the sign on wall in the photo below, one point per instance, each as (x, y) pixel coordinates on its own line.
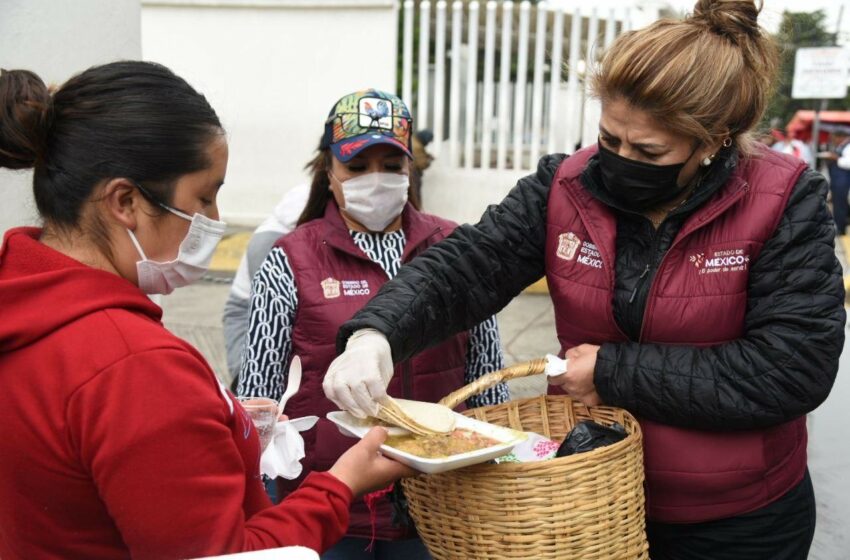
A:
(820, 73)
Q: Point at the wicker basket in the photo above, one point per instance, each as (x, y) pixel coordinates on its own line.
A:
(588, 506)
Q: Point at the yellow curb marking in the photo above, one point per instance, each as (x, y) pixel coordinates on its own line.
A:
(229, 252)
(539, 287)
(845, 247)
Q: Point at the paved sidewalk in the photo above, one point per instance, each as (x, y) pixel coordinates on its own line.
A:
(527, 327)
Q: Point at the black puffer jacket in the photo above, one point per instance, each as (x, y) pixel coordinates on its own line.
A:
(783, 367)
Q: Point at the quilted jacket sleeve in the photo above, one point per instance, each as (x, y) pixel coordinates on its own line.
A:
(785, 364)
(468, 276)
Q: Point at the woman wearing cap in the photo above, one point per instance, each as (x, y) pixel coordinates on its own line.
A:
(116, 438)
(359, 226)
(693, 277)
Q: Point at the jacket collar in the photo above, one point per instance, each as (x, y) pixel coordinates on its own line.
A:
(416, 227)
(717, 191)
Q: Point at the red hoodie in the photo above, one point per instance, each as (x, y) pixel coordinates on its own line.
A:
(116, 438)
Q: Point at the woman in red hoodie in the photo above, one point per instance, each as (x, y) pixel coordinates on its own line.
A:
(116, 438)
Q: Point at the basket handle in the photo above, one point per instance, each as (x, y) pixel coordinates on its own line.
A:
(492, 379)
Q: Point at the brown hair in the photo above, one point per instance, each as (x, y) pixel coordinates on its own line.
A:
(320, 186)
(127, 119)
(708, 77)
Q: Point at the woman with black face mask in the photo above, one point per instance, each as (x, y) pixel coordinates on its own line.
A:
(694, 283)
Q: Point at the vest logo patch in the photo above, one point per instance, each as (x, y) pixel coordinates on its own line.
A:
(355, 288)
(567, 246)
(584, 252)
(725, 260)
(588, 255)
(330, 287)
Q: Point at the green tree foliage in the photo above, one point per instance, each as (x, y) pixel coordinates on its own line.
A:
(798, 29)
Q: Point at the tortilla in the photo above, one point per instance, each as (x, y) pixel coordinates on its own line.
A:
(433, 416)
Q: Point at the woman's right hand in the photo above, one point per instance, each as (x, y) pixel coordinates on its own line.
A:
(363, 469)
(357, 379)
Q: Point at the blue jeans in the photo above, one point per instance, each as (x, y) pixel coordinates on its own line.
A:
(351, 548)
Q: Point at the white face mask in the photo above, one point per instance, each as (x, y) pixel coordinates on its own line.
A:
(193, 258)
(375, 199)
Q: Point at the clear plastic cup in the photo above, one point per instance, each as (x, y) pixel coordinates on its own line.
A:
(263, 411)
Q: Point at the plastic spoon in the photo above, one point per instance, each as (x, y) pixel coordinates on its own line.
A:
(293, 382)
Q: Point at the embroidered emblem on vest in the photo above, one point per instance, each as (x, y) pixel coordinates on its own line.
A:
(330, 287)
(698, 259)
(726, 260)
(568, 244)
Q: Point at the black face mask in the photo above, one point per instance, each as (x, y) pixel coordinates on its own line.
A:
(639, 186)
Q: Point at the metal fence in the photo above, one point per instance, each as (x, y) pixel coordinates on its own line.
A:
(492, 84)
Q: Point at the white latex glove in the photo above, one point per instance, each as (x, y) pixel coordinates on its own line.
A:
(358, 377)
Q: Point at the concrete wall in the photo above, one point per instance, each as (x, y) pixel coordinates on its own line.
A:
(272, 69)
(461, 194)
(57, 39)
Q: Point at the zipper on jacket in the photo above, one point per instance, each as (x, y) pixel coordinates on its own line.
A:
(639, 283)
(654, 259)
(679, 238)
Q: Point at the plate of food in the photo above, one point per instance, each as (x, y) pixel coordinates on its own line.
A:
(469, 442)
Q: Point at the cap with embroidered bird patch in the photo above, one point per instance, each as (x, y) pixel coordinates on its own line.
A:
(366, 118)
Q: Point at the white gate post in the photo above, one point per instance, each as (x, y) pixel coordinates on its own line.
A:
(555, 77)
(504, 84)
(421, 115)
(519, 86)
(487, 102)
(439, 77)
(471, 86)
(454, 87)
(407, 56)
(537, 91)
(572, 122)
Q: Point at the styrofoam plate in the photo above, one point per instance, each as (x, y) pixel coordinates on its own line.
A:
(351, 426)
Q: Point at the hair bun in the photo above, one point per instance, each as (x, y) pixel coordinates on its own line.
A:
(26, 109)
(734, 19)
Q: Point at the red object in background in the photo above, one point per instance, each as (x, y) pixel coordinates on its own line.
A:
(800, 125)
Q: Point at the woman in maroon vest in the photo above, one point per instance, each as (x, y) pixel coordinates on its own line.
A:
(694, 282)
(360, 225)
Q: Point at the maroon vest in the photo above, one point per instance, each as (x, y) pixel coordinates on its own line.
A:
(698, 298)
(335, 279)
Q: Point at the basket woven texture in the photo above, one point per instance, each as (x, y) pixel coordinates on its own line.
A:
(588, 506)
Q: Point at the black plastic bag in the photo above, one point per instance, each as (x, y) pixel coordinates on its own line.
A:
(401, 512)
(587, 435)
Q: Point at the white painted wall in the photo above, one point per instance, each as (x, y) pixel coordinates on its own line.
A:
(462, 194)
(272, 69)
(57, 39)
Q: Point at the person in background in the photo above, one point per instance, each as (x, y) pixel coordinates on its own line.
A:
(360, 225)
(283, 220)
(839, 178)
(116, 438)
(789, 144)
(421, 159)
(693, 277)
(238, 305)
